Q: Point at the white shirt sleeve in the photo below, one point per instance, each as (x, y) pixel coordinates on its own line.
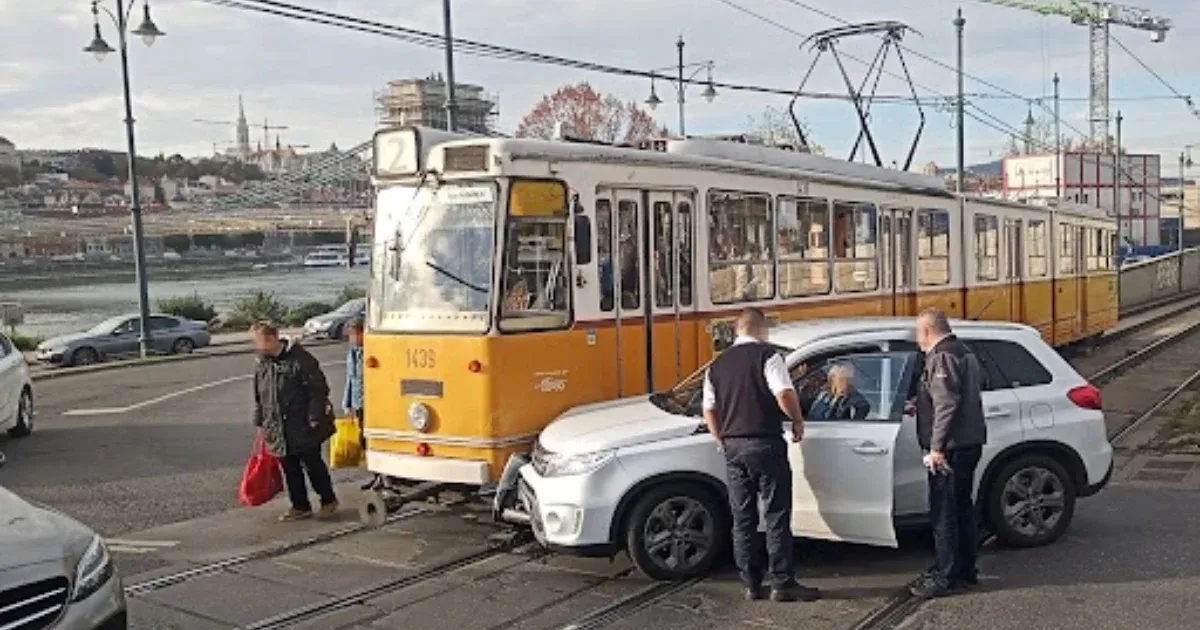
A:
(710, 395)
(777, 376)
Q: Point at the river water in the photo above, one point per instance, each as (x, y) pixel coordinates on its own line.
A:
(59, 310)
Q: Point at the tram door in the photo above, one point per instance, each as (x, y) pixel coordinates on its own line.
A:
(671, 342)
(1014, 256)
(623, 212)
(650, 238)
(1082, 247)
(896, 237)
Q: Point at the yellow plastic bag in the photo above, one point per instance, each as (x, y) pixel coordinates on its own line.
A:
(345, 451)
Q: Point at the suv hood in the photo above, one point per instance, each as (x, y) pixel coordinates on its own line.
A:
(614, 425)
(32, 535)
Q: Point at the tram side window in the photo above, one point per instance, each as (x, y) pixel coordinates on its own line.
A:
(987, 247)
(854, 243)
(1039, 251)
(1091, 244)
(740, 257)
(803, 237)
(604, 252)
(933, 248)
(537, 283)
(1066, 249)
(627, 250)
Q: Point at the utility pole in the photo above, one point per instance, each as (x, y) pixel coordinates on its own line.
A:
(679, 45)
(1182, 203)
(1117, 172)
(960, 186)
(1057, 144)
(451, 103)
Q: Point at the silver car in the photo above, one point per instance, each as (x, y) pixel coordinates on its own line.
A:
(118, 337)
(332, 325)
(55, 572)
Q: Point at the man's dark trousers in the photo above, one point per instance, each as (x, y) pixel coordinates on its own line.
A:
(294, 465)
(759, 466)
(952, 512)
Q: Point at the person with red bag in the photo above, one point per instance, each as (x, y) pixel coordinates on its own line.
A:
(294, 416)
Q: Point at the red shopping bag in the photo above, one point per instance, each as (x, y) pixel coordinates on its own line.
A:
(262, 479)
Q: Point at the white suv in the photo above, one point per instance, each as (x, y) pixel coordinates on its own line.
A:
(643, 475)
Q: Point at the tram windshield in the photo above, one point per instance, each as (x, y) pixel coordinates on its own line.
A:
(434, 247)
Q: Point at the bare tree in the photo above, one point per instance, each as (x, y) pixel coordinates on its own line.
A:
(775, 128)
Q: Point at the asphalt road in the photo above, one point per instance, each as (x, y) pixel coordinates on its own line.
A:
(132, 448)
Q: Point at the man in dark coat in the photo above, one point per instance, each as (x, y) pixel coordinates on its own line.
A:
(952, 431)
(292, 409)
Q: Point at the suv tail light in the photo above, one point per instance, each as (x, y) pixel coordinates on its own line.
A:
(1085, 396)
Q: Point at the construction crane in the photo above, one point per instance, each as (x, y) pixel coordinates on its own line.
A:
(1097, 16)
(266, 127)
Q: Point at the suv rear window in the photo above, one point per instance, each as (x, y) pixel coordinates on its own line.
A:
(1008, 364)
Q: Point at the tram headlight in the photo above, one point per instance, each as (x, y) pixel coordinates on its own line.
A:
(418, 416)
(557, 465)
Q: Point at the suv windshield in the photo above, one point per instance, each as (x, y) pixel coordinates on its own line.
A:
(434, 245)
(687, 397)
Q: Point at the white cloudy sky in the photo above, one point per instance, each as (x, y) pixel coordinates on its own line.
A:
(319, 80)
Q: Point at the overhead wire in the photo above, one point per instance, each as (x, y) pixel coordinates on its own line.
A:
(1185, 98)
(480, 49)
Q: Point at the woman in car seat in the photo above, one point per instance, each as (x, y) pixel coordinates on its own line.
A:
(839, 399)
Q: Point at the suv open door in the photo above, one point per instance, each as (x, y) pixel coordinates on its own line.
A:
(842, 471)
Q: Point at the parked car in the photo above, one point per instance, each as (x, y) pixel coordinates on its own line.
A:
(55, 572)
(642, 474)
(16, 392)
(118, 337)
(332, 325)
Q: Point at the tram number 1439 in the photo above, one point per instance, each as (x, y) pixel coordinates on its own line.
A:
(421, 358)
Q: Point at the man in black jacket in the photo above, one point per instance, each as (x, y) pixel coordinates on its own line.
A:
(952, 432)
(748, 396)
(292, 409)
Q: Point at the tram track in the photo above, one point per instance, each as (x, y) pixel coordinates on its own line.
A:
(628, 606)
(151, 585)
(361, 596)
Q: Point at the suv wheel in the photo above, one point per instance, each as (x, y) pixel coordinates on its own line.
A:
(676, 531)
(1031, 501)
(24, 425)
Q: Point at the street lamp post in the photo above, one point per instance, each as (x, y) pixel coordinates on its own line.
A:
(1185, 160)
(681, 84)
(149, 32)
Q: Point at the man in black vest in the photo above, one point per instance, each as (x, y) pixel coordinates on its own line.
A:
(952, 431)
(748, 396)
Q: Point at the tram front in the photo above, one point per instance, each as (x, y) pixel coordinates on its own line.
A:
(469, 352)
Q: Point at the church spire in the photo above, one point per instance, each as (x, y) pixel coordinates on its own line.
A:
(243, 130)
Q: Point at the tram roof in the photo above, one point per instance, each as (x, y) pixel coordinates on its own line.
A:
(721, 156)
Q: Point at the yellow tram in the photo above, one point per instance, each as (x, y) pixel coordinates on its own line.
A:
(515, 279)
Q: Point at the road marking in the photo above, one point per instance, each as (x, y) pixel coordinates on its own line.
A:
(121, 545)
(108, 411)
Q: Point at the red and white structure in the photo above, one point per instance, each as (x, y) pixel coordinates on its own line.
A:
(1088, 179)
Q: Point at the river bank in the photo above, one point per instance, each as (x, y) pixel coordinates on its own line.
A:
(53, 309)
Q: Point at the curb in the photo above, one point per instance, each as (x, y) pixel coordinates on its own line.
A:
(222, 350)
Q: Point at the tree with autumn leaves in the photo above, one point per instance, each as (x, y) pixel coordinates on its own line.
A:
(588, 116)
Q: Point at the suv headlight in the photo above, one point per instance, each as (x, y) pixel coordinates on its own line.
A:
(93, 570)
(555, 465)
